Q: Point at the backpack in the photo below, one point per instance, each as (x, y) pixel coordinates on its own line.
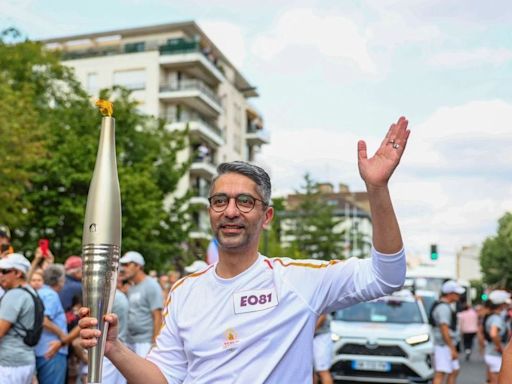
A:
(432, 321)
(487, 335)
(32, 335)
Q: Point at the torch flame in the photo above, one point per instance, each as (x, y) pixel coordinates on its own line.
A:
(105, 106)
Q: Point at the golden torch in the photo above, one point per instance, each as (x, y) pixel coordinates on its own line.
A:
(101, 242)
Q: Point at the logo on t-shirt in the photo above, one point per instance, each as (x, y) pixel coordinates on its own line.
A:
(231, 339)
(256, 300)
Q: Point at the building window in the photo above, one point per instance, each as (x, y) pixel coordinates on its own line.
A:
(132, 79)
(92, 83)
(135, 47)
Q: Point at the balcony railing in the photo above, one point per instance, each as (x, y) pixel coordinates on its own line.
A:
(192, 117)
(191, 84)
(172, 47)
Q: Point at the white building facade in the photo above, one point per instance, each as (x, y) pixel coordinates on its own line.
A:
(177, 73)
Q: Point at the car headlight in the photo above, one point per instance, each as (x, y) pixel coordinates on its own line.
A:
(419, 339)
(335, 337)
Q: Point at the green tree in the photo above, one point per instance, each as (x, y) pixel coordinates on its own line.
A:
(270, 241)
(496, 255)
(54, 135)
(314, 227)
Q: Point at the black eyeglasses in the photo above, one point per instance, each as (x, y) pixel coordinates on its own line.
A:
(5, 271)
(244, 202)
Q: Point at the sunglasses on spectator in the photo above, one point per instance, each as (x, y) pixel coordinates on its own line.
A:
(5, 271)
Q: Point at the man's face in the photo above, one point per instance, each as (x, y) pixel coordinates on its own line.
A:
(234, 229)
(9, 278)
(130, 270)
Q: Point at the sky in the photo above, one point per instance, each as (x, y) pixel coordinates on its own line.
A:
(332, 72)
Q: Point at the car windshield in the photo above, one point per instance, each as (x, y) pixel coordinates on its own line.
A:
(382, 311)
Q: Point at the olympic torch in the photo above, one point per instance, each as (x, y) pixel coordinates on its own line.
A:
(101, 242)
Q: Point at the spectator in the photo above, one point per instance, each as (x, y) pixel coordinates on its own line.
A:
(468, 324)
(51, 351)
(495, 332)
(446, 356)
(37, 281)
(196, 266)
(174, 276)
(163, 280)
(71, 294)
(146, 302)
(322, 350)
(17, 361)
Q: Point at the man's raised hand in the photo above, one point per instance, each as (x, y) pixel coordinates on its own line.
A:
(376, 170)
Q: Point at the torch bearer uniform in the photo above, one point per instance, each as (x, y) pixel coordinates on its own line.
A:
(258, 326)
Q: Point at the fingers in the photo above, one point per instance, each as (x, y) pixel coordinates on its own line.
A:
(361, 150)
(397, 135)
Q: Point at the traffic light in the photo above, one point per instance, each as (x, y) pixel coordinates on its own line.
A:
(434, 255)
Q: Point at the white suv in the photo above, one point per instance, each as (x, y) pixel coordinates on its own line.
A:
(387, 340)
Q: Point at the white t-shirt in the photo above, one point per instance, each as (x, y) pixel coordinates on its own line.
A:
(258, 326)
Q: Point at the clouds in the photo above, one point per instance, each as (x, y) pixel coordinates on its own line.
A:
(457, 59)
(315, 33)
(453, 183)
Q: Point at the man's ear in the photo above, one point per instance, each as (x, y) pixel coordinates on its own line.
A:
(269, 215)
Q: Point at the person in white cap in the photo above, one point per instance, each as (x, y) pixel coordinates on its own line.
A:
(444, 322)
(196, 266)
(145, 304)
(17, 360)
(495, 332)
(249, 318)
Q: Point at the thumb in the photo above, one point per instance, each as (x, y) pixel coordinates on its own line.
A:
(361, 150)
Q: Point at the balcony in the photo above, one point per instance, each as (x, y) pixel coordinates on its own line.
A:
(190, 58)
(198, 127)
(194, 94)
(203, 168)
(256, 135)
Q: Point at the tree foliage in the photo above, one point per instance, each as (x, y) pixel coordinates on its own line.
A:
(52, 130)
(496, 255)
(314, 227)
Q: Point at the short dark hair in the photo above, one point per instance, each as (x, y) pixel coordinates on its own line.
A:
(253, 172)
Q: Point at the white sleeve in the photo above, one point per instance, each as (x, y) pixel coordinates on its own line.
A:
(337, 285)
(168, 353)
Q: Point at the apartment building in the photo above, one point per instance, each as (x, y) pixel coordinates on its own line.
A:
(176, 72)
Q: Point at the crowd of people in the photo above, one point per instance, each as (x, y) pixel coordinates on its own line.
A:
(246, 318)
(487, 325)
(57, 357)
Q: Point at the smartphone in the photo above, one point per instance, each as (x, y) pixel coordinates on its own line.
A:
(44, 244)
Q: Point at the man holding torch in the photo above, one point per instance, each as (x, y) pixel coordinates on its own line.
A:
(249, 318)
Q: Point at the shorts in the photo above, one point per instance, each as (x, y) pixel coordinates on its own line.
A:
(493, 362)
(322, 352)
(443, 361)
(17, 375)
